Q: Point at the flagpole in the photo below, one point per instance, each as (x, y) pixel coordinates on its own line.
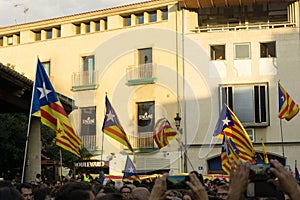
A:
(281, 138)
(60, 157)
(27, 134)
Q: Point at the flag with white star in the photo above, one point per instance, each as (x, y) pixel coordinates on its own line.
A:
(112, 127)
(229, 124)
(46, 105)
(130, 172)
(287, 107)
(229, 153)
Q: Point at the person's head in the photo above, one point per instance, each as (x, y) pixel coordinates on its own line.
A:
(26, 190)
(222, 191)
(140, 193)
(10, 193)
(126, 192)
(75, 191)
(112, 196)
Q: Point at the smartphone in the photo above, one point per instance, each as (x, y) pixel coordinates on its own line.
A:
(177, 182)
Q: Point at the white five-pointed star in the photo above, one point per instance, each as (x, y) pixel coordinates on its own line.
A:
(110, 116)
(44, 91)
(282, 98)
(130, 169)
(226, 121)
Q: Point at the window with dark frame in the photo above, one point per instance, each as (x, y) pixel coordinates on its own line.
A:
(38, 35)
(98, 27)
(268, 49)
(127, 20)
(153, 16)
(217, 52)
(49, 34)
(249, 102)
(164, 14)
(140, 18)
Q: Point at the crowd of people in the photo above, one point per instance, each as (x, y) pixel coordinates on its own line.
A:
(84, 187)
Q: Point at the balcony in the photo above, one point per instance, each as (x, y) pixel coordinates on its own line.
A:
(143, 143)
(237, 27)
(141, 74)
(85, 80)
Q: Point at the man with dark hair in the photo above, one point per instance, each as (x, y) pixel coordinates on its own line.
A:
(26, 190)
(126, 192)
(75, 191)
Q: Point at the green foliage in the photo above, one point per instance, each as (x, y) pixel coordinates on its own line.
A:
(13, 130)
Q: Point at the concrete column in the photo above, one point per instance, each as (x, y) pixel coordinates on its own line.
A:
(33, 159)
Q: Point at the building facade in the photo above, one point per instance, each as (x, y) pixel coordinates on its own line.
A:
(159, 58)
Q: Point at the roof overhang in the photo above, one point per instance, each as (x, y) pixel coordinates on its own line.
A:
(16, 92)
(224, 3)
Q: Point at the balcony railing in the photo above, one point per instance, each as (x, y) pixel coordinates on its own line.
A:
(143, 143)
(250, 26)
(89, 142)
(141, 74)
(85, 80)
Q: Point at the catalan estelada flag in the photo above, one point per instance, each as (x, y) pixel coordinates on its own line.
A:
(46, 105)
(287, 107)
(130, 172)
(229, 153)
(163, 133)
(112, 127)
(229, 124)
(266, 159)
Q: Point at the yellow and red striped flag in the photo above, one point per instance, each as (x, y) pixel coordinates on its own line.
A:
(163, 133)
(229, 153)
(229, 124)
(287, 107)
(46, 105)
(266, 159)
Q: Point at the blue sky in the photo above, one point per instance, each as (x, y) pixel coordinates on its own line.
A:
(20, 11)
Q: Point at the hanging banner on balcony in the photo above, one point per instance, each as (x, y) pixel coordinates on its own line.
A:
(88, 121)
(146, 116)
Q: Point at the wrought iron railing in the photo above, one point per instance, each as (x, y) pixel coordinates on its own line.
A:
(84, 78)
(143, 73)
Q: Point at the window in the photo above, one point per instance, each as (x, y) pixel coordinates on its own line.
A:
(88, 121)
(217, 52)
(127, 20)
(59, 32)
(49, 34)
(10, 40)
(146, 116)
(267, 49)
(1, 41)
(88, 69)
(250, 132)
(140, 18)
(248, 102)
(145, 63)
(153, 16)
(242, 51)
(98, 28)
(87, 27)
(38, 36)
(164, 14)
(77, 28)
(46, 66)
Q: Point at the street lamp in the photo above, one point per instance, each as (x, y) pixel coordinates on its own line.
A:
(177, 121)
(177, 124)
